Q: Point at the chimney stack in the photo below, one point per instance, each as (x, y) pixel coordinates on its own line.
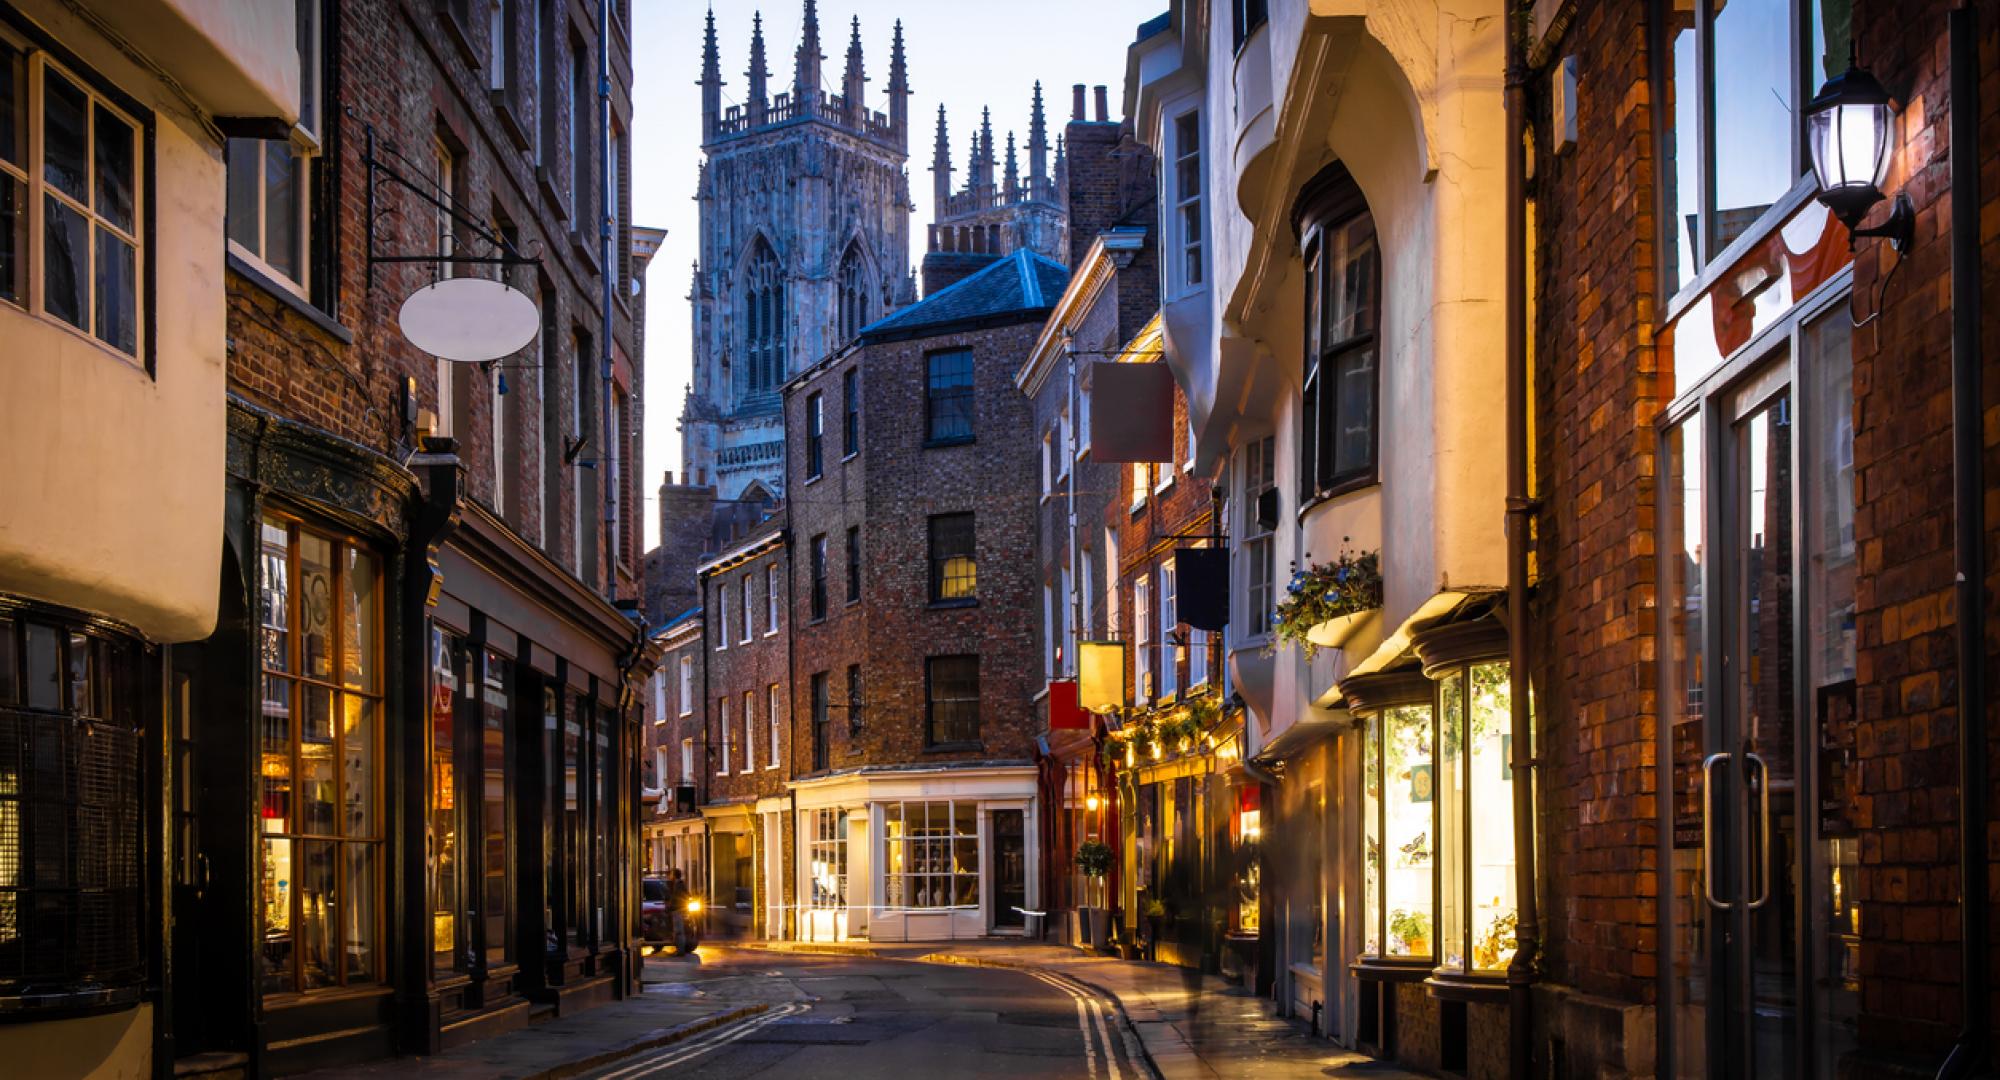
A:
(1100, 105)
(1076, 104)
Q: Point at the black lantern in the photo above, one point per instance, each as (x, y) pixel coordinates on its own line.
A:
(1850, 129)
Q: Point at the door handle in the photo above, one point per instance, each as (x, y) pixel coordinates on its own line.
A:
(1762, 867)
(1708, 832)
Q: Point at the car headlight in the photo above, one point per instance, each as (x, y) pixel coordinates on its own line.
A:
(694, 907)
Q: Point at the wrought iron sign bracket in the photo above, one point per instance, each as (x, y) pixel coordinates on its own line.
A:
(382, 172)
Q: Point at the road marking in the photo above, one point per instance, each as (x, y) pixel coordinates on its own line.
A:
(1085, 996)
(674, 1054)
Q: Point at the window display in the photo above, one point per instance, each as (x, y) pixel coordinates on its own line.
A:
(932, 854)
(1475, 814)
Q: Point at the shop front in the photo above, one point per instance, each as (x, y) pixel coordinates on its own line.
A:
(395, 768)
(899, 854)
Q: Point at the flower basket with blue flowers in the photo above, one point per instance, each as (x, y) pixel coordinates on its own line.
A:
(1325, 603)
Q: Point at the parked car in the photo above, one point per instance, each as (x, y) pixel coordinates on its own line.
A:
(669, 913)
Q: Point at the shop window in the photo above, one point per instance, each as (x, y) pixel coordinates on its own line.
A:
(932, 853)
(1338, 416)
(826, 857)
(1249, 841)
(1399, 792)
(449, 949)
(575, 802)
(602, 797)
(319, 885)
(71, 860)
(496, 867)
(1475, 820)
(953, 557)
(948, 398)
(78, 161)
(952, 708)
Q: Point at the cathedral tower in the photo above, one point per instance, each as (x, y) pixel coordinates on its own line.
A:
(805, 237)
(992, 217)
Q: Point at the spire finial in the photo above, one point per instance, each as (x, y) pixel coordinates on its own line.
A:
(1038, 145)
(1013, 170)
(805, 79)
(759, 73)
(853, 80)
(899, 88)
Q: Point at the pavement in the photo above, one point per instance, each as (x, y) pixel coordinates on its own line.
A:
(861, 1009)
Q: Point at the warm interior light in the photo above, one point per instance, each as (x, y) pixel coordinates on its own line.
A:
(1091, 803)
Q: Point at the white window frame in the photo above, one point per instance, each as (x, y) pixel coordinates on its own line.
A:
(659, 697)
(1066, 662)
(1142, 638)
(496, 44)
(1140, 480)
(303, 144)
(36, 190)
(772, 709)
(1197, 658)
(935, 869)
(1169, 652)
(687, 685)
(1111, 597)
(722, 616)
(1187, 457)
(1082, 420)
(1183, 203)
(770, 599)
(749, 732)
(1063, 452)
(1048, 467)
(687, 759)
(1048, 631)
(722, 707)
(749, 612)
(1259, 546)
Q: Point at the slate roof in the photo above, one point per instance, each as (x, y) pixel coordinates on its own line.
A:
(1023, 287)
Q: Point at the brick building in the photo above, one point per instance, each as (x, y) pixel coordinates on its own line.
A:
(670, 822)
(419, 729)
(912, 514)
(747, 735)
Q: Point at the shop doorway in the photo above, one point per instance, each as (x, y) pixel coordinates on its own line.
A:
(1010, 870)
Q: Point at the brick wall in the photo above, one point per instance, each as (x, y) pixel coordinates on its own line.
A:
(737, 667)
(1597, 392)
(407, 70)
(1147, 539)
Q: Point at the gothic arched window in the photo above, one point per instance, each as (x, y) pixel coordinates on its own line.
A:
(853, 294)
(764, 320)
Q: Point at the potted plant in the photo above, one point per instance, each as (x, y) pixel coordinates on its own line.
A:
(1325, 603)
(1413, 929)
(1093, 860)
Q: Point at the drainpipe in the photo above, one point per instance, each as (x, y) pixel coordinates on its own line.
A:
(1520, 510)
(607, 278)
(1969, 1053)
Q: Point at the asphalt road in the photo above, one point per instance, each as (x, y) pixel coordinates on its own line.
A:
(850, 1018)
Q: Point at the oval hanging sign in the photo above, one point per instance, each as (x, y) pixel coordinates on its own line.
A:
(469, 319)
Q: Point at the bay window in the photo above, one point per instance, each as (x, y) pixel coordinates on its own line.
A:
(1399, 789)
(1338, 410)
(269, 207)
(320, 851)
(826, 855)
(72, 186)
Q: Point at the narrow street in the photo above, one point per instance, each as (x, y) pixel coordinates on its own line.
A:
(841, 1017)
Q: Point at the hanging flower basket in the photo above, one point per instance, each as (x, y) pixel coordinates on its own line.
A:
(1326, 603)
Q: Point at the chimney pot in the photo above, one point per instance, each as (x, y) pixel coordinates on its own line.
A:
(1101, 107)
(1076, 103)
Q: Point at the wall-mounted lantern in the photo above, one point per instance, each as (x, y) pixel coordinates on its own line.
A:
(1850, 129)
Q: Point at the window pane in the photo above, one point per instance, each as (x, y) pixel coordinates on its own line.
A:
(275, 894)
(275, 768)
(284, 187)
(316, 767)
(949, 396)
(1452, 855)
(1680, 185)
(360, 607)
(357, 771)
(65, 262)
(1492, 852)
(315, 606)
(113, 139)
(358, 922)
(954, 567)
(1753, 111)
(13, 105)
(1371, 837)
(245, 189)
(1351, 290)
(1407, 797)
(65, 119)
(443, 836)
(13, 236)
(117, 292)
(276, 596)
(318, 913)
(1354, 424)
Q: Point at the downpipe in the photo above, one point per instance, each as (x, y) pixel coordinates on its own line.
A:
(1520, 511)
(1968, 1054)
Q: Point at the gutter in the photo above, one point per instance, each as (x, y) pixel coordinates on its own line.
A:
(1969, 1053)
(1520, 511)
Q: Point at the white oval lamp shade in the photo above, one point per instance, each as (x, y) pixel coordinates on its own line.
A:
(469, 319)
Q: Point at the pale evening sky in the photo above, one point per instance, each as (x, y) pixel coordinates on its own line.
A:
(966, 55)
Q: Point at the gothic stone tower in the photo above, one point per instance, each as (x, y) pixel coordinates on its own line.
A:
(994, 215)
(805, 237)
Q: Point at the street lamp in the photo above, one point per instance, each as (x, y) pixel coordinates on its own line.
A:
(1850, 127)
